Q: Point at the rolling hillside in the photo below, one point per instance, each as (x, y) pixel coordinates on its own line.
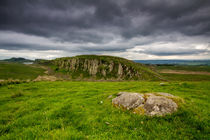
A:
(19, 71)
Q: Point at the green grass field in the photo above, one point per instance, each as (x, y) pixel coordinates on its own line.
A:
(19, 71)
(81, 110)
(185, 67)
(185, 77)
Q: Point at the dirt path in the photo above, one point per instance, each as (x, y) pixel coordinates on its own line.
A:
(184, 72)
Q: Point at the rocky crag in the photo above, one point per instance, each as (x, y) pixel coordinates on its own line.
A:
(102, 67)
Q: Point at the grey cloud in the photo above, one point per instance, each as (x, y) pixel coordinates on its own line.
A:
(175, 52)
(169, 49)
(52, 17)
(104, 25)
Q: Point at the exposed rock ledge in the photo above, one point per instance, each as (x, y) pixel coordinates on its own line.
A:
(45, 78)
(149, 104)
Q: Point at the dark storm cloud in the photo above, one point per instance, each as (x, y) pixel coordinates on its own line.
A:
(189, 17)
(14, 46)
(53, 17)
(110, 25)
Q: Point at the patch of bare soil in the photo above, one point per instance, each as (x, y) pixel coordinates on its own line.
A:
(45, 78)
(184, 72)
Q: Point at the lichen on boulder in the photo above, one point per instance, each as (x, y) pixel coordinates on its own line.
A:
(149, 104)
(128, 100)
(159, 105)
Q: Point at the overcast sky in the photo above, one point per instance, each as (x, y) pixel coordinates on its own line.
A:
(133, 29)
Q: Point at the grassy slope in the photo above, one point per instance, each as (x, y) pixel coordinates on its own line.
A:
(19, 71)
(185, 77)
(185, 67)
(72, 110)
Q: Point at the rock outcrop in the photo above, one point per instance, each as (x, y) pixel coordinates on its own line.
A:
(103, 67)
(148, 104)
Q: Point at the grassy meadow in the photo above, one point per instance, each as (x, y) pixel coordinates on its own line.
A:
(19, 71)
(204, 68)
(186, 68)
(82, 109)
(185, 77)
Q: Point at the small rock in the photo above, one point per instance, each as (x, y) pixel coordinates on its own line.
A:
(110, 96)
(107, 123)
(162, 84)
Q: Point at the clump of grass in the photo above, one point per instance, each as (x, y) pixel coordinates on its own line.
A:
(17, 94)
(13, 82)
(144, 91)
(10, 86)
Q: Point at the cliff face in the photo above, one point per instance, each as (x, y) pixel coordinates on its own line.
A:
(100, 67)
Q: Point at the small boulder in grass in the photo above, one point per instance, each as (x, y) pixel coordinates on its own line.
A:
(109, 97)
(149, 104)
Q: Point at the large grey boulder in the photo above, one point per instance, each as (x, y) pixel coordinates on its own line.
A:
(128, 100)
(159, 105)
(149, 104)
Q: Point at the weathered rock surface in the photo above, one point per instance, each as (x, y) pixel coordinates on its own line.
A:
(159, 105)
(128, 100)
(165, 94)
(149, 104)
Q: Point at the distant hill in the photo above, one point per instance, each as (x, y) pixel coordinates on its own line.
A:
(17, 60)
(100, 67)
